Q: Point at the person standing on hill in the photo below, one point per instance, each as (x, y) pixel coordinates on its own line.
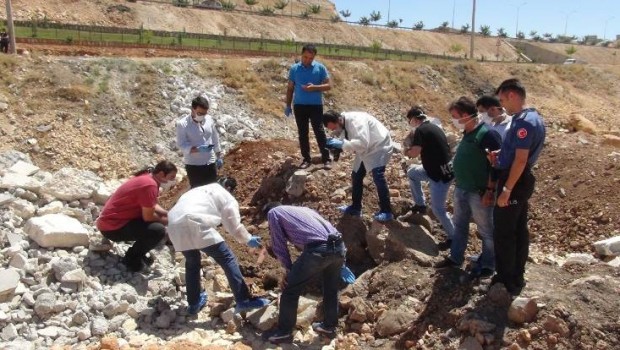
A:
(199, 140)
(4, 42)
(428, 141)
(519, 152)
(132, 213)
(372, 144)
(307, 80)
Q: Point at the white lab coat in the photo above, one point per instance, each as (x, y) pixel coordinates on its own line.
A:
(368, 139)
(193, 220)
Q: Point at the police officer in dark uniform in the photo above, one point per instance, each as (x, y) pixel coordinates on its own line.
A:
(519, 151)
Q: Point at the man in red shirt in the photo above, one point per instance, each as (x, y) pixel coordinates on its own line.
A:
(132, 213)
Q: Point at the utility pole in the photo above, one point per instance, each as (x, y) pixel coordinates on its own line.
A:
(389, 5)
(518, 8)
(566, 22)
(605, 31)
(11, 28)
(473, 32)
(453, 12)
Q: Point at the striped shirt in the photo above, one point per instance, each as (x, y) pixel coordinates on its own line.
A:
(298, 225)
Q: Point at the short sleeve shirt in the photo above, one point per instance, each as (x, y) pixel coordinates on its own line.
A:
(301, 75)
(527, 131)
(127, 202)
(435, 152)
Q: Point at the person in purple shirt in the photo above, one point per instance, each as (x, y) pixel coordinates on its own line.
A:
(323, 254)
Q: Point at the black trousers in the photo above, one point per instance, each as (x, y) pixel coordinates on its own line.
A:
(200, 175)
(511, 236)
(146, 235)
(311, 114)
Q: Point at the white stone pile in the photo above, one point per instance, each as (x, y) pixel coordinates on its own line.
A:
(61, 284)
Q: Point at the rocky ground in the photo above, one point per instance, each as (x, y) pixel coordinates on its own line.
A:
(79, 125)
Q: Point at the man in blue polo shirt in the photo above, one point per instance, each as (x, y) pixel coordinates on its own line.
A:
(306, 81)
(514, 161)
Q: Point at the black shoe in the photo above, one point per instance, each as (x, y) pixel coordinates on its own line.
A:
(446, 262)
(320, 328)
(327, 165)
(445, 245)
(133, 265)
(419, 209)
(305, 164)
(277, 337)
(482, 273)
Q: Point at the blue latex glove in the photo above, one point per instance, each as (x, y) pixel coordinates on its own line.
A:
(219, 163)
(204, 148)
(334, 143)
(288, 111)
(254, 242)
(346, 275)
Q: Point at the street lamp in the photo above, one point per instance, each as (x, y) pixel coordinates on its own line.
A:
(517, 29)
(605, 31)
(566, 22)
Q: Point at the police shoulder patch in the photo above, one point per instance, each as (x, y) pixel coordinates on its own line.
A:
(522, 133)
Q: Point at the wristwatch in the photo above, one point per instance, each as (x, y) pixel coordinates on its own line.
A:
(506, 189)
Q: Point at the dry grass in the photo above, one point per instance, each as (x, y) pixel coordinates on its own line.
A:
(74, 93)
(8, 63)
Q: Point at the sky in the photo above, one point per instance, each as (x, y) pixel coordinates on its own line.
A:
(579, 17)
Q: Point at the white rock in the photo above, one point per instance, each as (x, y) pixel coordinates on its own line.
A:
(70, 184)
(44, 305)
(84, 334)
(522, 310)
(51, 332)
(579, 259)
(54, 207)
(615, 262)
(130, 325)
(9, 332)
(23, 168)
(12, 180)
(264, 318)
(6, 198)
(10, 157)
(608, 247)
(22, 208)
(105, 190)
(9, 279)
(295, 186)
(19, 260)
(15, 240)
(74, 276)
(56, 230)
(62, 265)
(99, 326)
(228, 315)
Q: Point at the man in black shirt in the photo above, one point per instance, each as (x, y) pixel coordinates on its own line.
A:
(428, 141)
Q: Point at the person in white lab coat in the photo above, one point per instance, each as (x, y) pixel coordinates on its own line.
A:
(192, 226)
(370, 140)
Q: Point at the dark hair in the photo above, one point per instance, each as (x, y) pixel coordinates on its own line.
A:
(416, 112)
(166, 166)
(487, 102)
(464, 105)
(228, 183)
(267, 207)
(513, 85)
(309, 48)
(330, 116)
(200, 101)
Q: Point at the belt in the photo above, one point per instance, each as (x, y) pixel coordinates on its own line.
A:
(332, 239)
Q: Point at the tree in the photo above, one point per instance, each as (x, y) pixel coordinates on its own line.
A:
(465, 28)
(364, 21)
(345, 13)
(533, 34)
(376, 46)
(418, 26)
(520, 35)
(571, 50)
(548, 36)
(280, 4)
(392, 24)
(445, 24)
(375, 16)
(485, 30)
(228, 5)
(267, 11)
(335, 18)
(251, 3)
(456, 48)
(501, 32)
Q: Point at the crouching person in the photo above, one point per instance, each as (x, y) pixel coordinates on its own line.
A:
(192, 229)
(323, 256)
(132, 214)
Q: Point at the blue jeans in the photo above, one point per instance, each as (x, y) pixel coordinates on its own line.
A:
(439, 194)
(324, 260)
(466, 206)
(357, 190)
(224, 257)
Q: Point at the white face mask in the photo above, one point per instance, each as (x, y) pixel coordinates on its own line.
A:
(486, 118)
(199, 118)
(166, 186)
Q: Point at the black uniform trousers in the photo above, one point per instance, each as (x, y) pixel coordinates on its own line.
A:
(311, 114)
(511, 236)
